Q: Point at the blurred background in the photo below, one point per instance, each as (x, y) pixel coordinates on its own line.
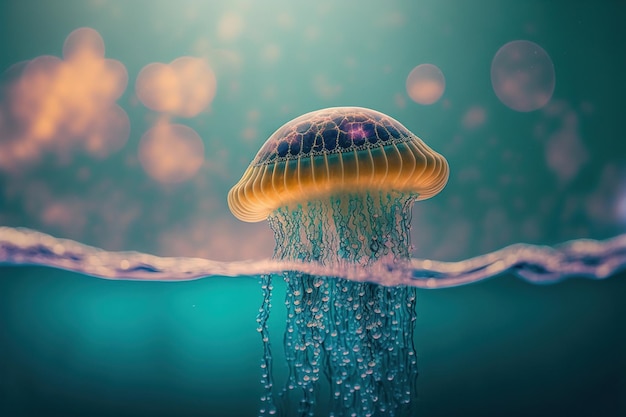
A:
(124, 124)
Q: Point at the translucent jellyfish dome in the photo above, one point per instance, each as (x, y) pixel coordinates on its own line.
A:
(335, 150)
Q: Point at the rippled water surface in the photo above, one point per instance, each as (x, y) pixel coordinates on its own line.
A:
(537, 264)
(152, 336)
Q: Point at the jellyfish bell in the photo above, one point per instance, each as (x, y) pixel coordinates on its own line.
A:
(355, 169)
(334, 150)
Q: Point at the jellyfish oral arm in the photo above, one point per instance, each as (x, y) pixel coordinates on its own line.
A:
(362, 228)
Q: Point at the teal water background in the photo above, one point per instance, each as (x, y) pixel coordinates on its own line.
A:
(540, 177)
(75, 345)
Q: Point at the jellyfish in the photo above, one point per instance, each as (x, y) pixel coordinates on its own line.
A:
(337, 187)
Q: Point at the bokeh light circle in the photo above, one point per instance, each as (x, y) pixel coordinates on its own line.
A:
(113, 79)
(157, 86)
(522, 75)
(109, 132)
(230, 26)
(59, 105)
(171, 153)
(184, 87)
(83, 41)
(197, 84)
(425, 84)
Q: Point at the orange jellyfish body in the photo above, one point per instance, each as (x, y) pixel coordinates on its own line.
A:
(334, 151)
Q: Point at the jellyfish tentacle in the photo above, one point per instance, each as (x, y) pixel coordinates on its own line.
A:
(267, 399)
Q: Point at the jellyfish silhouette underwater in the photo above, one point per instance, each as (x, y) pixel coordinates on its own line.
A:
(337, 186)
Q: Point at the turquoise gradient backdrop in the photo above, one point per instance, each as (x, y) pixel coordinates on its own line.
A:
(73, 345)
